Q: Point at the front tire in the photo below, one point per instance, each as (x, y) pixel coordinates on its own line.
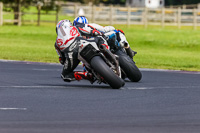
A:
(103, 70)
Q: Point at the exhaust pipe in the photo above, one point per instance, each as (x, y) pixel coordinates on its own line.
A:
(129, 51)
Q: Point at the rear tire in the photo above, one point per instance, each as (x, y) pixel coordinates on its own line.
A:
(128, 66)
(103, 70)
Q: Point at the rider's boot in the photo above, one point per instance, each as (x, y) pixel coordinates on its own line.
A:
(68, 77)
(83, 75)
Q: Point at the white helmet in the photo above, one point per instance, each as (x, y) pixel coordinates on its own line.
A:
(66, 34)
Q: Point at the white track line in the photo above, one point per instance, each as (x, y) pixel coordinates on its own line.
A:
(32, 86)
(122, 88)
(13, 108)
(159, 87)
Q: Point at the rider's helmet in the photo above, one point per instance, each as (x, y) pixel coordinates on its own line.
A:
(80, 19)
(66, 34)
(63, 23)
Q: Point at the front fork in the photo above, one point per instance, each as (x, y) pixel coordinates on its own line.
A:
(111, 59)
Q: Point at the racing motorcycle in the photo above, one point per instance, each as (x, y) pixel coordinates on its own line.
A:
(125, 54)
(101, 64)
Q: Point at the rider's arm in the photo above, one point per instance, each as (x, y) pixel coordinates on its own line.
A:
(98, 27)
(103, 29)
(60, 54)
(87, 30)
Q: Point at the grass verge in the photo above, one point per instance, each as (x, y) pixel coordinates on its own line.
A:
(168, 48)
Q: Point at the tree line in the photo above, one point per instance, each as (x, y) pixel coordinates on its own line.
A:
(167, 2)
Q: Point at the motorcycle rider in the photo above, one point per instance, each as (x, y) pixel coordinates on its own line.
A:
(67, 44)
(109, 31)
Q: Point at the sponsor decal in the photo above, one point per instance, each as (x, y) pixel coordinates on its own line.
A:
(68, 40)
(73, 46)
(73, 31)
(59, 42)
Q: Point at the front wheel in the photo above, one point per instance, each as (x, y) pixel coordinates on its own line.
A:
(104, 71)
(128, 66)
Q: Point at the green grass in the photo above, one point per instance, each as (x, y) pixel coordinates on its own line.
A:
(169, 48)
(30, 43)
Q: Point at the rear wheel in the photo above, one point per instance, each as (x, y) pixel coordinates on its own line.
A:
(103, 70)
(128, 66)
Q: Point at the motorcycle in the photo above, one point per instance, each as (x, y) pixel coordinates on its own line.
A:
(101, 64)
(125, 54)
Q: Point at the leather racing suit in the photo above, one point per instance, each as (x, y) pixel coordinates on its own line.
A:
(67, 45)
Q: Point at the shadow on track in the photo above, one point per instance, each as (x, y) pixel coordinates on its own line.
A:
(77, 86)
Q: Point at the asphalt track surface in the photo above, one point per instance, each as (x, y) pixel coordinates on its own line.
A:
(34, 99)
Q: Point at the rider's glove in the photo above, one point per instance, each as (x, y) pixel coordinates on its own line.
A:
(96, 33)
(62, 60)
(119, 30)
(104, 36)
